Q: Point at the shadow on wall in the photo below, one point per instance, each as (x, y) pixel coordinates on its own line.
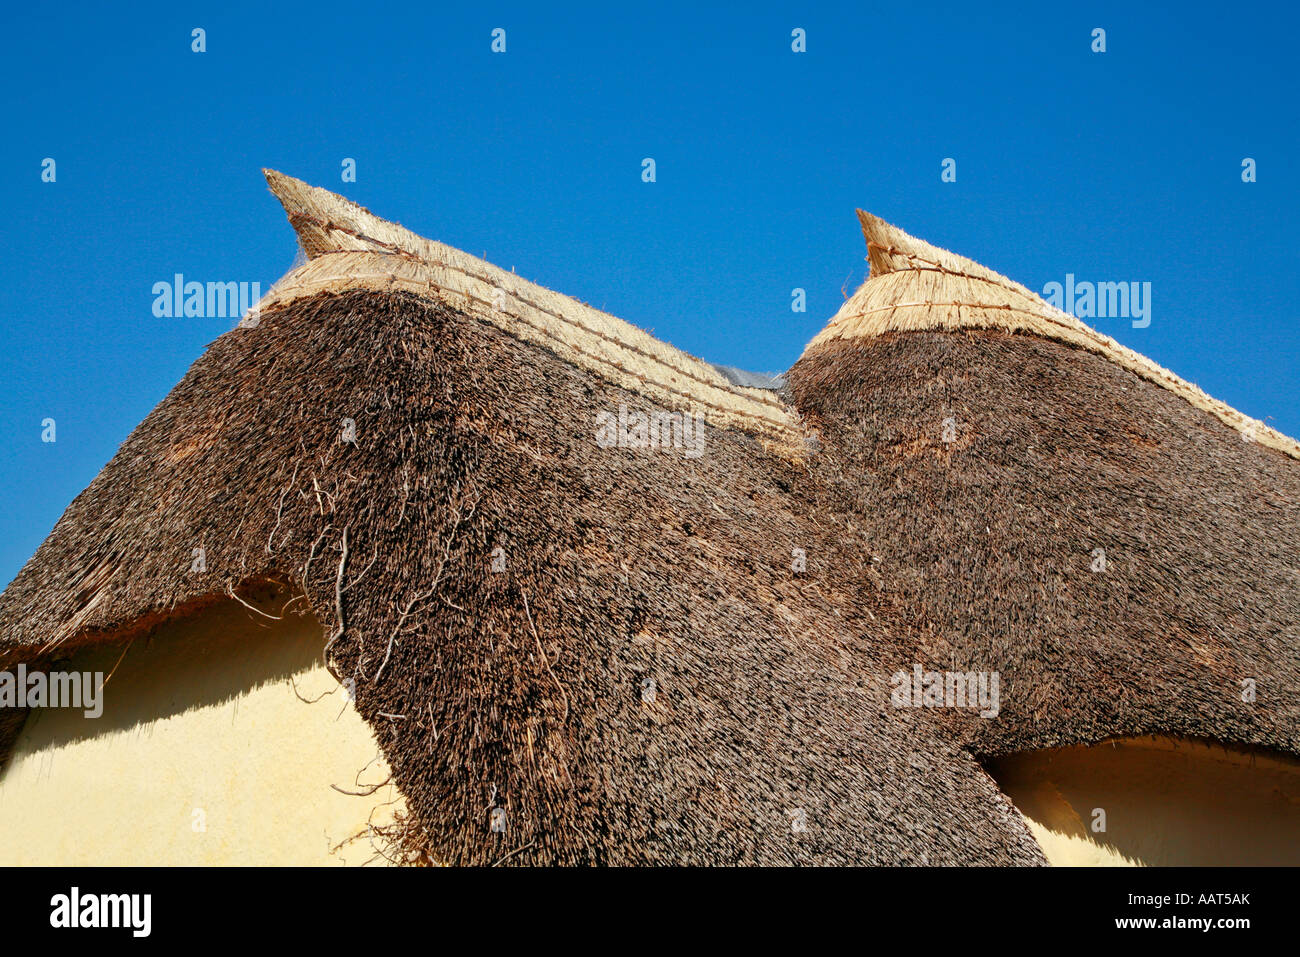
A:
(223, 740)
(232, 653)
(1161, 801)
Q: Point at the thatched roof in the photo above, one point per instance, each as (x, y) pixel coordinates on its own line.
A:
(611, 643)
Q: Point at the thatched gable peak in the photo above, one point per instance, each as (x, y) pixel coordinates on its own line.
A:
(915, 286)
(349, 248)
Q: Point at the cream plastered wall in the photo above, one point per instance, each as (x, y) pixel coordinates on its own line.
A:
(1166, 801)
(204, 754)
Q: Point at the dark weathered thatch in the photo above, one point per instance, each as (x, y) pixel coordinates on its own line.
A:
(990, 541)
(617, 646)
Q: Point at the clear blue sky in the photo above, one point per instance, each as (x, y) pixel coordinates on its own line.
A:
(1117, 166)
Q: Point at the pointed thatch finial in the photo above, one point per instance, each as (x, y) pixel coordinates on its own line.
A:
(325, 222)
(889, 249)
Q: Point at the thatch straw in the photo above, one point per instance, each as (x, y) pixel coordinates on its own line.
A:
(915, 286)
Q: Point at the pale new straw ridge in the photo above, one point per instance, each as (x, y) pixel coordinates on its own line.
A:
(348, 247)
(915, 286)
